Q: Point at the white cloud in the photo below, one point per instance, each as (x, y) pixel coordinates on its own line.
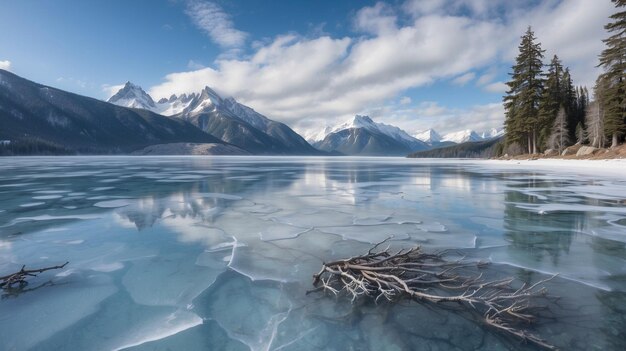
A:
(464, 79)
(405, 100)
(215, 22)
(486, 78)
(378, 19)
(430, 114)
(5, 65)
(423, 7)
(296, 79)
(110, 90)
(496, 87)
(315, 81)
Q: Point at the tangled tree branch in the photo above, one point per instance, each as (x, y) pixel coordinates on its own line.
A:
(434, 278)
(19, 277)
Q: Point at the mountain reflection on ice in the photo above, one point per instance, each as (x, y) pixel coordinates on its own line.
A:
(195, 253)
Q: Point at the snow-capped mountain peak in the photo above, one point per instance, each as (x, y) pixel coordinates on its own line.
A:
(462, 136)
(358, 123)
(208, 93)
(208, 100)
(492, 134)
(314, 136)
(428, 136)
(132, 95)
(365, 122)
(360, 135)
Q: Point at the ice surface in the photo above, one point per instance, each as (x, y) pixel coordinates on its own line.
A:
(545, 208)
(65, 305)
(278, 231)
(113, 203)
(172, 324)
(221, 256)
(47, 197)
(32, 204)
(373, 233)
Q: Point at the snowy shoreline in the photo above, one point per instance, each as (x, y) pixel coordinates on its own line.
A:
(604, 167)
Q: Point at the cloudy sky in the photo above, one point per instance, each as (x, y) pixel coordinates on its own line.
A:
(416, 64)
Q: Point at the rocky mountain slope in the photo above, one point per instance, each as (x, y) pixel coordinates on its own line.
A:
(224, 118)
(362, 136)
(33, 114)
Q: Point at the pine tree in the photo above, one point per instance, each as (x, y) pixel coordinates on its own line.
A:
(613, 60)
(525, 90)
(551, 99)
(569, 102)
(582, 100)
(560, 133)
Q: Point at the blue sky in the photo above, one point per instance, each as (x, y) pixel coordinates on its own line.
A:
(415, 63)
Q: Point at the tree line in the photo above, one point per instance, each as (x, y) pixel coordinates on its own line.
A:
(543, 108)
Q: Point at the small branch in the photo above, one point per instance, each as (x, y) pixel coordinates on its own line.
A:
(19, 277)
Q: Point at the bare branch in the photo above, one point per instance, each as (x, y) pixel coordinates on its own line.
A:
(433, 278)
(19, 277)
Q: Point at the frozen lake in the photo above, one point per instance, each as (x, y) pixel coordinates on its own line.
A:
(198, 253)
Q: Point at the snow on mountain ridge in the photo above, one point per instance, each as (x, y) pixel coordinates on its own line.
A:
(246, 113)
(462, 136)
(428, 136)
(132, 95)
(492, 133)
(207, 100)
(366, 122)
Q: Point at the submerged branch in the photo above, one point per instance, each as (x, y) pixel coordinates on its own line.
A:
(435, 279)
(19, 277)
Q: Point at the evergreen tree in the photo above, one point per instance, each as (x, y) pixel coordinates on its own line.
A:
(525, 90)
(569, 102)
(551, 99)
(582, 100)
(613, 60)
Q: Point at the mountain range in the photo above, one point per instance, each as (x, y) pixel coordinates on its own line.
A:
(39, 119)
(362, 136)
(433, 138)
(224, 118)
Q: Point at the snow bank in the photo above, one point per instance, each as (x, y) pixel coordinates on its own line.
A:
(599, 168)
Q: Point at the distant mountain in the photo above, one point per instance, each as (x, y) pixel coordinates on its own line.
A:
(226, 119)
(462, 136)
(134, 97)
(492, 134)
(435, 139)
(472, 149)
(362, 136)
(34, 116)
(428, 136)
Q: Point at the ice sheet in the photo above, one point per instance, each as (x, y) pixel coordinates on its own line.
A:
(221, 258)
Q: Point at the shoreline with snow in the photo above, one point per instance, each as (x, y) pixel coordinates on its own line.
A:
(598, 167)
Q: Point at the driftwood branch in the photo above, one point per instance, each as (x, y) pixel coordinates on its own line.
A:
(434, 278)
(19, 277)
